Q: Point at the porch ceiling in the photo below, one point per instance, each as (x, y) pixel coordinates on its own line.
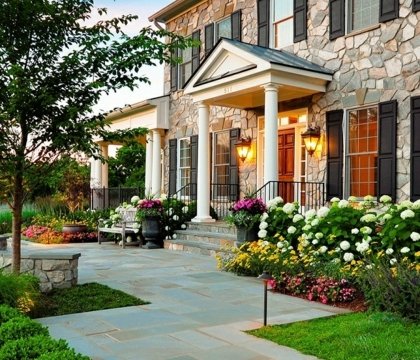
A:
(234, 75)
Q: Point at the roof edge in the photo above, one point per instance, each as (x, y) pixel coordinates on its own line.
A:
(173, 9)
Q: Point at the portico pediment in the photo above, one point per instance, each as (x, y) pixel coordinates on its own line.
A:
(234, 73)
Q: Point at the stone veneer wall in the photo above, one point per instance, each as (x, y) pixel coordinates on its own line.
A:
(371, 66)
(55, 271)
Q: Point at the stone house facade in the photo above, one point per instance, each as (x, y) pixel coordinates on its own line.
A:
(266, 70)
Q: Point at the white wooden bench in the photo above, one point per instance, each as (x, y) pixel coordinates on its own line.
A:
(124, 227)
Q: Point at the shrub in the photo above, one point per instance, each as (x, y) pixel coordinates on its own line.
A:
(392, 288)
(19, 328)
(69, 354)
(7, 313)
(31, 348)
(19, 291)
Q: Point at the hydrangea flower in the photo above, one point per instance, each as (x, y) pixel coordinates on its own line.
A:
(185, 209)
(306, 227)
(262, 234)
(315, 222)
(319, 235)
(415, 236)
(407, 214)
(366, 230)
(352, 198)
(183, 226)
(389, 251)
(264, 216)
(263, 225)
(368, 218)
(348, 257)
(368, 198)
(314, 241)
(310, 214)
(291, 230)
(334, 199)
(297, 218)
(280, 245)
(362, 247)
(323, 212)
(387, 217)
(323, 249)
(134, 200)
(265, 243)
(393, 261)
(345, 245)
(405, 204)
(175, 217)
(355, 231)
(271, 204)
(173, 236)
(416, 204)
(343, 204)
(305, 243)
(288, 208)
(405, 250)
(385, 199)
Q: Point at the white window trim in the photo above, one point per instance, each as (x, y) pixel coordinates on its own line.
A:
(272, 33)
(178, 161)
(346, 151)
(216, 38)
(348, 18)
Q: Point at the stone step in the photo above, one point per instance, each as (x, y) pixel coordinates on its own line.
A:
(194, 247)
(218, 239)
(214, 227)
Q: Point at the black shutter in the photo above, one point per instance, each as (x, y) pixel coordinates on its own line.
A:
(193, 166)
(388, 10)
(235, 20)
(174, 73)
(208, 38)
(415, 148)
(387, 144)
(299, 20)
(195, 51)
(337, 23)
(233, 165)
(416, 5)
(173, 162)
(334, 154)
(263, 23)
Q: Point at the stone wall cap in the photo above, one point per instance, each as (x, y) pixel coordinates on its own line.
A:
(52, 256)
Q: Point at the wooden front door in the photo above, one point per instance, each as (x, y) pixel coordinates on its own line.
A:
(286, 156)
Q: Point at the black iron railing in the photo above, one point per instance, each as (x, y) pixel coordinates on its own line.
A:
(103, 198)
(222, 196)
(309, 195)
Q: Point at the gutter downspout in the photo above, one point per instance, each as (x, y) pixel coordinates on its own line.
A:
(155, 22)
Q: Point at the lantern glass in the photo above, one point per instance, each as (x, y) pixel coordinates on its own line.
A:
(311, 138)
(243, 147)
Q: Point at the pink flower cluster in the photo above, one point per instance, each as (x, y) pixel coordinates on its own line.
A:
(250, 205)
(150, 204)
(34, 231)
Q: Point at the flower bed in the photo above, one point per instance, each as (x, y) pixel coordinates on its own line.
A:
(333, 246)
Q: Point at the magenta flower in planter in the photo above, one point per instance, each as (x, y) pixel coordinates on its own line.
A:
(149, 207)
(246, 212)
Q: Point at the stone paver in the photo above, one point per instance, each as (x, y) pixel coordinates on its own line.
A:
(196, 311)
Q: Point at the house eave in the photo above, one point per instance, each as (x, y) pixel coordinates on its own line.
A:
(172, 10)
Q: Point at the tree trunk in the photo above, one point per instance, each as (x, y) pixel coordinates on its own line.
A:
(17, 222)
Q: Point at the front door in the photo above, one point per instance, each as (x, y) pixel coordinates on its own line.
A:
(286, 165)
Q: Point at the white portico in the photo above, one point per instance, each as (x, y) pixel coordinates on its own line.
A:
(240, 75)
(152, 114)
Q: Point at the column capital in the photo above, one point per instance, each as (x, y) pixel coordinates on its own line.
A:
(271, 87)
(202, 104)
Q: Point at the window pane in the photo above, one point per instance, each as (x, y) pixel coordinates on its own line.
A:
(224, 29)
(282, 9)
(184, 161)
(221, 158)
(363, 13)
(283, 33)
(363, 148)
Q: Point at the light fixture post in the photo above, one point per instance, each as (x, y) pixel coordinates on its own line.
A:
(265, 277)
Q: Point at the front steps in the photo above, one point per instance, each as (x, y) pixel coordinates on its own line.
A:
(203, 238)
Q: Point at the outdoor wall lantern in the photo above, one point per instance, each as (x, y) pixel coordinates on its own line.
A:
(311, 138)
(265, 277)
(243, 146)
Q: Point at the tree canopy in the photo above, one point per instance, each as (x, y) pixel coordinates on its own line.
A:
(54, 67)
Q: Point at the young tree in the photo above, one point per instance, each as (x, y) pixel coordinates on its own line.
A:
(54, 67)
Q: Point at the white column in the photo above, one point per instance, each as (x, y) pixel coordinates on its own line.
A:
(156, 164)
(104, 167)
(149, 164)
(98, 173)
(93, 179)
(271, 133)
(203, 173)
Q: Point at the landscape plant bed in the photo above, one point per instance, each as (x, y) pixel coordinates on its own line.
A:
(356, 336)
(84, 298)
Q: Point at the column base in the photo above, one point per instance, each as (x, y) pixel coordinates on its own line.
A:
(203, 219)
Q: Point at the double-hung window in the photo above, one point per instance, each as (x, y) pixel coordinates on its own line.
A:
(363, 151)
(185, 69)
(221, 153)
(282, 23)
(223, 28)
(184, 165)
(362, 13)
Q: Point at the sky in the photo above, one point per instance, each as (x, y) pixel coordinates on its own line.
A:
(143, 9)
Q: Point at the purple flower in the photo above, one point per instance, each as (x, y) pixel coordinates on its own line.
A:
(251, 205)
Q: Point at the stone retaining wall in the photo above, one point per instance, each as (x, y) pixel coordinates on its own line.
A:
(55, 271)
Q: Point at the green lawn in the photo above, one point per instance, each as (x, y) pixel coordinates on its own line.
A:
(84, 298)
(356, 336)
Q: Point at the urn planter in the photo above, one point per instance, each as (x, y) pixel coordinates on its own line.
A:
(244, 234)
(152, 233)
(74, 228)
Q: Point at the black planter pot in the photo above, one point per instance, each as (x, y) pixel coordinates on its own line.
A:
(74, 228)
(151, 231)
(244, 234)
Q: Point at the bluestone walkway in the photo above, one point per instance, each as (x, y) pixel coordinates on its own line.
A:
(196, 311)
